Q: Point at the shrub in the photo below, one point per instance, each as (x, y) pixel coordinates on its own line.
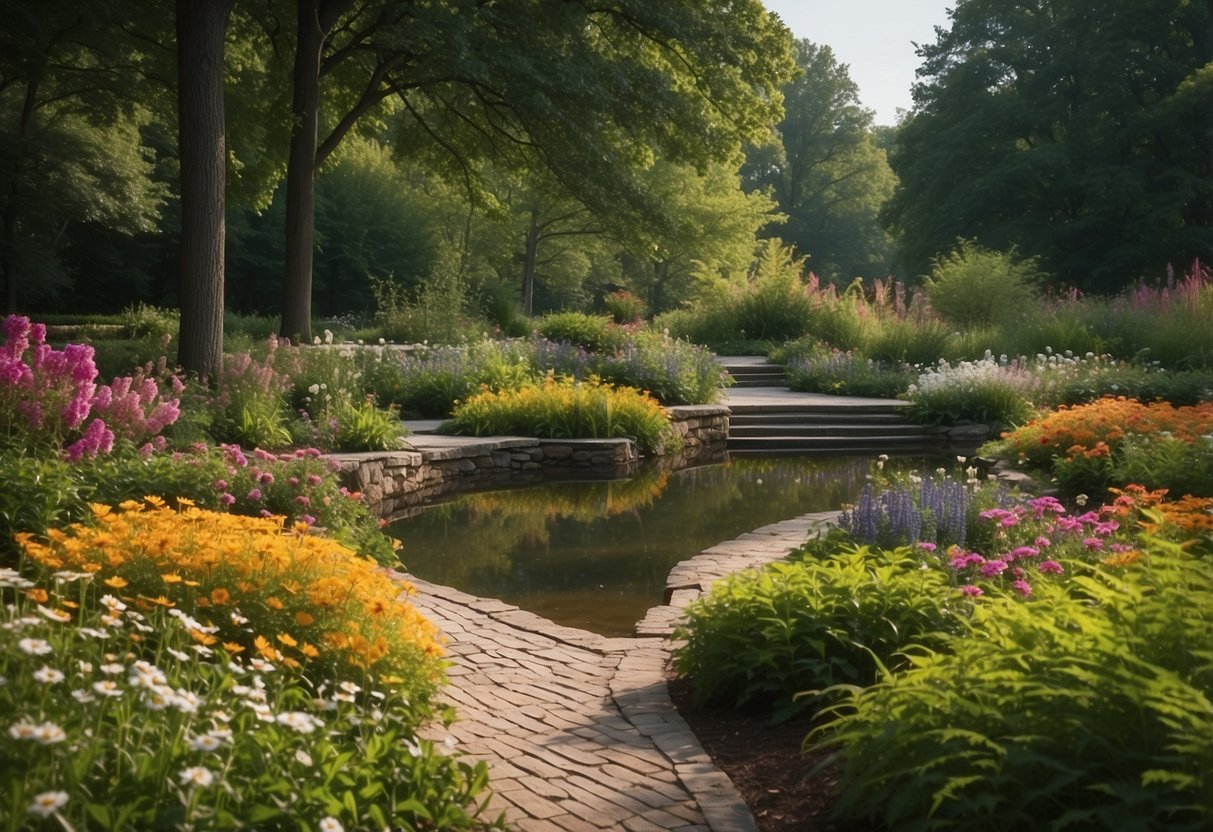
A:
(432, 380)
(625, 307)
(672, 370)
(774, 306)
(763, 635)
(1088, 704)
(974, 286)
(985, 391)
(596, 333)
(143, 320)
(898, 341)
(566, 409)
(172, 723)
(250, 404)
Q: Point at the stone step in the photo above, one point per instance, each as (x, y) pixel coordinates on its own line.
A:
(760, 380)
(815, 418)
(832, 444)
(857, 407)
(753, 369)
(823, 429)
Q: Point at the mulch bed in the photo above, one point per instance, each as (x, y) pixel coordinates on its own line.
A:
(766, 764)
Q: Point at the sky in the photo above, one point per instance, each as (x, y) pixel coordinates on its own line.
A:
(874, 37)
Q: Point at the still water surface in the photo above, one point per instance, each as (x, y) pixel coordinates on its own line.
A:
(595, 555)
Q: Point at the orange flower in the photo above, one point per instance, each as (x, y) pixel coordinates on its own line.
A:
(115, 582)
(304, 619)
(274, 603)
(232, 647)
(285, 638)
(220, 596)
(38, 595)
(202, 638)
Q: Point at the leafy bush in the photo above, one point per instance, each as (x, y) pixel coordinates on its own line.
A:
(143, 320)
(1087, 705)
(972, 285)
(625, 307)
(250, 403)
(672, 370)
(898, 341)
(985, 391)
(763, 635)
(189, 705)
(437, 313)
(774, 306)
(566, 409)
(596, 333)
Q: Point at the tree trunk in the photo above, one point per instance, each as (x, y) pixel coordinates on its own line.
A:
(528, 265)
(301, 176)
(201, 29)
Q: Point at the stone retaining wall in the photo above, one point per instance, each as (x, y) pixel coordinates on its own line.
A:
(392, 482)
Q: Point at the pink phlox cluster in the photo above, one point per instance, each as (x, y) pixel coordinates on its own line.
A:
(132, 407)
(1041, 506)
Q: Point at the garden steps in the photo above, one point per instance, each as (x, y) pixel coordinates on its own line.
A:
(773, 419)
(753, 371)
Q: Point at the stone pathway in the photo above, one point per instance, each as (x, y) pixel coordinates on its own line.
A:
(578, 729)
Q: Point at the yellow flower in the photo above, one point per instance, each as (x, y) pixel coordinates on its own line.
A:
(100, 509)
(232, 647)
(202, 638)
(171, 578)
(286, 639)
(220, 596)
(273, 603)
(153, 501)
(116, 582)
(309, 650)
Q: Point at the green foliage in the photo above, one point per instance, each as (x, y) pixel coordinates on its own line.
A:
(428, 382)
(763, 636)
(596, 333)
(1164, 461)
(1088, 704)
(974, 286)
(624, 307)
(813, 368)
(774, 307)
(674, 371)
(826, 170)
(39, 493)
(436, 312)
(1003, 148)
(567, 409)
(143, 320)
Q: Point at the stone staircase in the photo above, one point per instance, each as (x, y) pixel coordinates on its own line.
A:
(768, 418)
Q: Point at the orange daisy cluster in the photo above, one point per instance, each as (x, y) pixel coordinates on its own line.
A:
(275, 592)
(1097, 428)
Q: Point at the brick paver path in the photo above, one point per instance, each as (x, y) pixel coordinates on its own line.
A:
(578, 729)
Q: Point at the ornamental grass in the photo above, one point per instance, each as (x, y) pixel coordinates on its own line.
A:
(561, 408)
(253, 587)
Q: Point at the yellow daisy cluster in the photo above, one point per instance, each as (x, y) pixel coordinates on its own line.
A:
(254, 586)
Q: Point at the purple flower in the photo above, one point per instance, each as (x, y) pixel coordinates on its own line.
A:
(1093, 543)
(221, 485)
(226, 499)
(308, 519)
(254, 495)
(1051, 567)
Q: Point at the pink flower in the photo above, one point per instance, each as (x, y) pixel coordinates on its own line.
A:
(303, 500)
(221, 485)
(1043, 542)
(308, 519)
(1050, 567)
(265, 478)
(1093, 543)
(226, 499)
(1023, 588)
(972, 591)
(254, 495)
(927, 547)
(312, 479)
(992, 568)
(293, 482)
(1022, 552)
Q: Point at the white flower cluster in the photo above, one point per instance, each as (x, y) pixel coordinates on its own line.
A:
(971, 375)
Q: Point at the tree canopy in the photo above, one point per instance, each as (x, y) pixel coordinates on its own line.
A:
(1081, 134)
(826, 170)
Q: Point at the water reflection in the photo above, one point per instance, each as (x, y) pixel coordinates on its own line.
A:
(595, 555)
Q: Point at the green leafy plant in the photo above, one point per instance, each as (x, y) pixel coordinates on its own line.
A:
(985, 391)
(762, 636)
(625, 307)
(1087, 705)
(819, 369)
(595, 333)
(973, 285)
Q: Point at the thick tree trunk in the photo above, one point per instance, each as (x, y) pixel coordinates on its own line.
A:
(301, 176)
(201, 29)
(528, 265)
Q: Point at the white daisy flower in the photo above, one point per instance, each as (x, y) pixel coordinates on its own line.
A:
(196, 776)
(34, 646)
(48, 803)
(48, 675)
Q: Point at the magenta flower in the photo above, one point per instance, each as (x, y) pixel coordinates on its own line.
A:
(972, 591)
(1093, 543)
(992, 568)
(1023, 588)
(1022, 552)
(303, 500)
(307, 519)
(226, 499)
(1050, 567)
(927, 547)
(1043, 542)
(254, 495)
(221, 485)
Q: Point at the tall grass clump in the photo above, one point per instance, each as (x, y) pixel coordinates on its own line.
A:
(432, 379)
(1088, 705)
(566, 409)
(812, 367)
(975, 286)
(1169, 322)
(594, 333)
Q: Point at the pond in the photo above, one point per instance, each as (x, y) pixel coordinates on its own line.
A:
(595, 555)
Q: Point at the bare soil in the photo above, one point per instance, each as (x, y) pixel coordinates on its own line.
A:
(766, 764)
